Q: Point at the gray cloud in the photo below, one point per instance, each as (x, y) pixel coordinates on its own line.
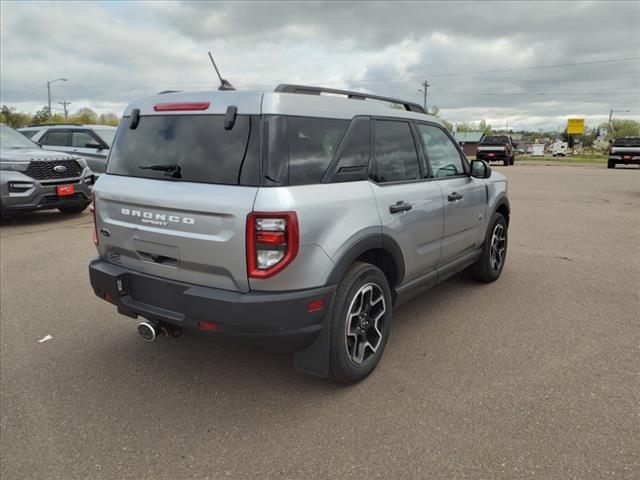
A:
(114, 52)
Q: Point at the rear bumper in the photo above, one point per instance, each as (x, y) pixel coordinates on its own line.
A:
(491, 158)
(626, 159)
(278, 321)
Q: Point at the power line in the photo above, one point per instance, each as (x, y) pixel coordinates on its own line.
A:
(397, 79)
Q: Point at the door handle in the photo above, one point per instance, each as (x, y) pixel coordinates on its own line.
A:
(455, 196)
(400, 206)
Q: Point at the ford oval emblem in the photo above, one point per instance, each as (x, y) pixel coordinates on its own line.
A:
(60, 168)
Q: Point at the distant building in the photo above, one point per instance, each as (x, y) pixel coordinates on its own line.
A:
(469, 141)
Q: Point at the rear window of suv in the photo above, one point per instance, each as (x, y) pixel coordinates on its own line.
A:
(190, 148)
(491, 140)
(627, 142)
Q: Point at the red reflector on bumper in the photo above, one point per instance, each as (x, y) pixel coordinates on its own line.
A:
(315, 305)
(207, 326)
(108, 297)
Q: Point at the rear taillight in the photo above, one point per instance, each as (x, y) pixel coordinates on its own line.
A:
(272, 242)
(178, 107)
(92, 210)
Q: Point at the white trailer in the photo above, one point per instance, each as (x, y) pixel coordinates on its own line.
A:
(538, 150)
(560, 149)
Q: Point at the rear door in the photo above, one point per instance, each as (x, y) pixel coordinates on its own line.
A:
(409, 204)
(464, 196)
(96, 157)
(176, 195)
(57, 139)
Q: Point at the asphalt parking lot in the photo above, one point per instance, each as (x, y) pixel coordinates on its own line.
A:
(534, 376)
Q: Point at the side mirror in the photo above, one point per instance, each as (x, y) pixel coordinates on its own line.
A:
(97, 146)
(480, 169)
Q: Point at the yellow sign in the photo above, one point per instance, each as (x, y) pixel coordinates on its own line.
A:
(575, 126)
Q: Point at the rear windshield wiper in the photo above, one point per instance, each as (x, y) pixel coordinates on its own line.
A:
(170, 169)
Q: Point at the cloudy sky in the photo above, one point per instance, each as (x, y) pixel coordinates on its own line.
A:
(531, 64)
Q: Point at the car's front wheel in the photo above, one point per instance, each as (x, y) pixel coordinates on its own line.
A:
(494, 251)
(611, 164)
(74, 210)
(360, 323)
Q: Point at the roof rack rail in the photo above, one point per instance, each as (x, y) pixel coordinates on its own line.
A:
(308, 90)
(66, 124)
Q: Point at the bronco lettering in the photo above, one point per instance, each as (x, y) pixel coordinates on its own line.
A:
(157, 218)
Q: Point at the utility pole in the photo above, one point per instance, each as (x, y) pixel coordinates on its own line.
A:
(64, 105)
(49, 93)
(425, 86)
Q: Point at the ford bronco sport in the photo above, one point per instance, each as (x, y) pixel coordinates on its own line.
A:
(292, 218)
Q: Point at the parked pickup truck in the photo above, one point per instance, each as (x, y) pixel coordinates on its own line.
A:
(496, 148)
(625, 151)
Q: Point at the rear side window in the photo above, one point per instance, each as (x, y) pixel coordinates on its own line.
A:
(396, 158)
(80, 139)
(190, 148)
(301, 148)
(56, 138)
(493, 140)
(444, 157)
(627, 142)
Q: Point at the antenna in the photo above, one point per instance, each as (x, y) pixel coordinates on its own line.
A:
(224, 84)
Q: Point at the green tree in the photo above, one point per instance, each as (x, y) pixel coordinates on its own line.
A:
(624, 128)
(41, 116)
(85, 116)
(109, 119)
(15, 119)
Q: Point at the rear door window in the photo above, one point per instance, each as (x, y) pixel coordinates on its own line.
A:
(191, 148)
(80, 139)
(56, 138)
(396, 158)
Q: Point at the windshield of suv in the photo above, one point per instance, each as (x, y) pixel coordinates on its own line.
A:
(106, 134)
(191, 148)
(627, 142)
(494, 140)
(9, 138)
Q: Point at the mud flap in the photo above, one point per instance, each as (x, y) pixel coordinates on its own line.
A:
(314, 359)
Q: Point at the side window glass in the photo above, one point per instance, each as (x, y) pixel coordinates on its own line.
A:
(56, 138)
(354, 157)
(312, 142)
(396, 158)
(443, 156)
(80, 139)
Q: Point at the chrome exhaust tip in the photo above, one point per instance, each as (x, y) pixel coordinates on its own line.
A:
(147, 331)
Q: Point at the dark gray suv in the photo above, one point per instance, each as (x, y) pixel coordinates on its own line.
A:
(35, 179)
(294, 219)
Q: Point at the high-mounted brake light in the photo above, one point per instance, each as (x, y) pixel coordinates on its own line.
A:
(177, 107)
(92, 210)
(272, 242)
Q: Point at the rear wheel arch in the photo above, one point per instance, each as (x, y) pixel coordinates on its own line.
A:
(379, 250)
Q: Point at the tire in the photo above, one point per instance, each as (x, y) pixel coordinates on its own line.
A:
(74, 210)
(611, 164)
(512, 160)
(505, 162)
(352, 356)
(485, 270)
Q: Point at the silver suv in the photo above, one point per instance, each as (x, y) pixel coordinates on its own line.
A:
(92, 142)
(34, 179)
(295, 219)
